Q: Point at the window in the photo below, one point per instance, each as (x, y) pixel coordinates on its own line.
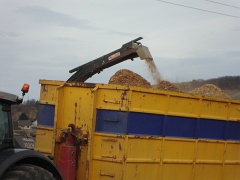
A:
(4, 125)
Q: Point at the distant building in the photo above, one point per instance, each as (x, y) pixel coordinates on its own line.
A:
(34, 124)
(24, 124)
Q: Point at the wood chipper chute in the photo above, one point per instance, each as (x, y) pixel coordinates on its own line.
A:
(130, 50)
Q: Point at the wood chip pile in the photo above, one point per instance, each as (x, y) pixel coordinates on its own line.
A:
(210, 90)
(128, 78)
(166, 85)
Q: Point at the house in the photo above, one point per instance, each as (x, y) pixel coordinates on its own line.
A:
(24, 124)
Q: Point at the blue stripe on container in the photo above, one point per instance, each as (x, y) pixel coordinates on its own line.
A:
(46, 115)
(180, 127)
(233, 130)
(111, 121)
(144, 124)
(211, 129)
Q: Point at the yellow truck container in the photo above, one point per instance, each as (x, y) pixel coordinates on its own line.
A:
(102, 131)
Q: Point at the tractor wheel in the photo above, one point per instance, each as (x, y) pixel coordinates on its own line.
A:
(27, 172)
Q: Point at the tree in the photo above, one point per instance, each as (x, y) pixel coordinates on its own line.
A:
(23, 116)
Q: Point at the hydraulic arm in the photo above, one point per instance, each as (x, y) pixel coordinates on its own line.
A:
(129, 50)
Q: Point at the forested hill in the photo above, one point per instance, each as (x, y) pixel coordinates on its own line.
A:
(229, 84)
(225, 83)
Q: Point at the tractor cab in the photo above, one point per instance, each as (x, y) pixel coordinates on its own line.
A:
(6, 129)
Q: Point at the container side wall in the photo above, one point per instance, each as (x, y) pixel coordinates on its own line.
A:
(163, 135)
(45, 131)
(137, 133)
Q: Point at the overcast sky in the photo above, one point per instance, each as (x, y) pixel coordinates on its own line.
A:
(45, 39)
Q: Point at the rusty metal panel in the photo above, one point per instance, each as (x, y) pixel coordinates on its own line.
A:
(183, 106)
(142, 170)
(82, 163)
(104, 170)
(232, 154)
(138, 149)
(107, 157)
(74, 106)
(108, 148)
(234, 111)
(114, 99)
(48, 91)
(208, 171)
(44, 141)
(148, 102)
(214, 109)
(45, 133)
(66, 164)
(231, 171)
(210, 151)
(141, 157)
(194, 137)
(179, 150)
(177, 171)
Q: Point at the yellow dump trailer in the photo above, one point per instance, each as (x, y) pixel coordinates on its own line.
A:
(101, 131)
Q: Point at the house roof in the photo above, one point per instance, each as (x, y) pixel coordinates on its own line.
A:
(24, 123)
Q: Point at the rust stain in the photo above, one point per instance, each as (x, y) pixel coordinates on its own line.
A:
(75, 113)
(80, 84)
(136, 171)
(153, 137)
(123, 97)
(120, 136)
(44, 88)
(120, 146)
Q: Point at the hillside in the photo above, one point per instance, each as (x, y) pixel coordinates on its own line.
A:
(28, 110)
(229, 84)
